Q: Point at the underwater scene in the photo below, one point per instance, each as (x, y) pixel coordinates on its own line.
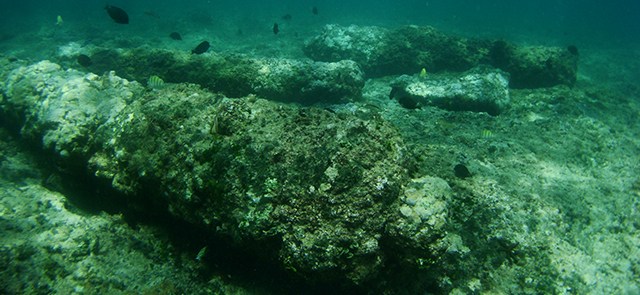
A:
(319, 147)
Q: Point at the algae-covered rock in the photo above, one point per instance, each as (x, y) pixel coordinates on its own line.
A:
(482, 89)
(421, 216)
(313, 185)
(311, 189)
(285, 80)
(59, 107)
(409, 49)
(361, 44)
(535, 66)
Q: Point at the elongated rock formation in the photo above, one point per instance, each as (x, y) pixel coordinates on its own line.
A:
(316, 191)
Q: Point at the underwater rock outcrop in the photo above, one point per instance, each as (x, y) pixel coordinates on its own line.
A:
(285, 80)
(535, 66)
(409, 49)
(481, 89)
(326, 195)
(405, 50)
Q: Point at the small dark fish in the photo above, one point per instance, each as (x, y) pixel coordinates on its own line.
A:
(315, 10)
(175, 36)
(549, 63)
(84, 60)
(573, 50)
(239, 32)
(330, 110)
(87, 42)
(275, 28)
(287, 17)
(201, 48)
(151, 14)
(394, 90)
(461, 171)
(408, 103)
(117, 14)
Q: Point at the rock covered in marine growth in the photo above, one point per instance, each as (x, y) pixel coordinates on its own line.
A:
(405, 50)
(234, 75)
(423, 208)
(535, 66)
(59, 108)
(361, 44)
(481, 89)
(44, 239)
(307, 187)
(315, 190)
(409, 49)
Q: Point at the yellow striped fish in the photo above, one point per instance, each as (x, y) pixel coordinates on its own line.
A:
(155, 82)
(486, 133)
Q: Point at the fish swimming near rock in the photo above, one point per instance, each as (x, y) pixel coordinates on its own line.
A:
(85, 43)
(394, 91)
(423, 73)
(201, 48)
(275, 28)
(155, 82)
(408, 103)
(486, 133)
(117, 14)
(84, 60)
(461, 171)
(201, 254)
(404, 99)
(573, 50)
(175, 36)
(59, 21)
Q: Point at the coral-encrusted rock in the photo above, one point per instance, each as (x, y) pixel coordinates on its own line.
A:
(481, 89)
(283, 80)
(312, 189)
(535, 66)
(409, 49)
(421, 215)
(361, 44)
(60, 108)
(405, 50)
(312, 186)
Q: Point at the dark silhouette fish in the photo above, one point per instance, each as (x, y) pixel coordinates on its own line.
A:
(84, 60)
(408, 103)
(175, 36)
(287, 17)
(315, 10)
(87, 42)
(461, 171)
(275, 28)
(201, 48)
(117, 14)
(393, 93)
(573, 50)
(151, 14)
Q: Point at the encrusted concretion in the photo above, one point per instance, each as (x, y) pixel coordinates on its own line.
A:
(482, 89)
(317, 186)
